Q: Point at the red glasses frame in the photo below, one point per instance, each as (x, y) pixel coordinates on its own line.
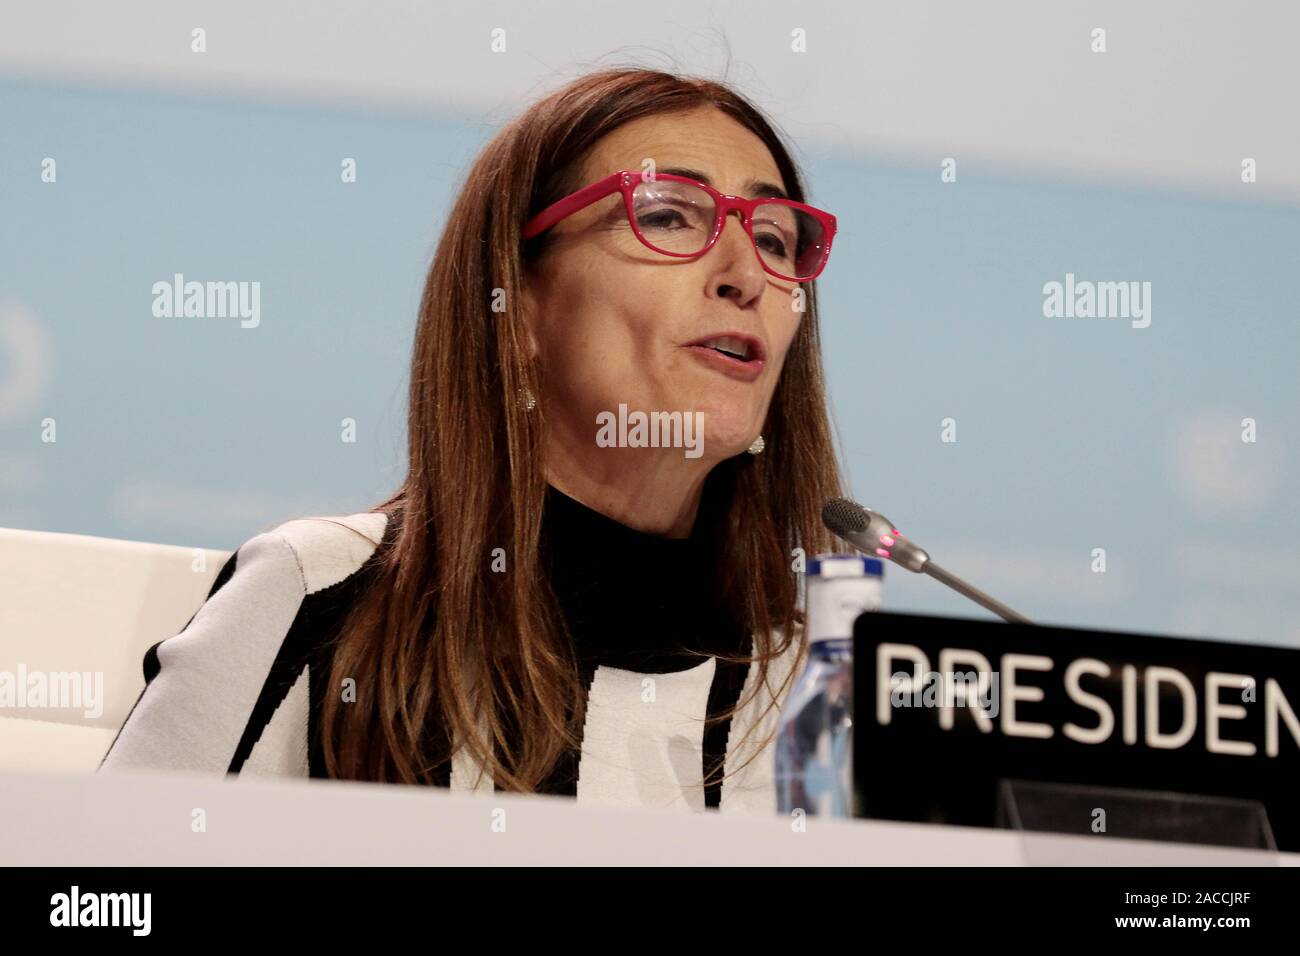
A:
(626, 181)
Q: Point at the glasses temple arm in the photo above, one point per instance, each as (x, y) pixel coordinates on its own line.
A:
(570, 204)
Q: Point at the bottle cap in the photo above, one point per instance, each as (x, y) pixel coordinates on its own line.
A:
(844, 566)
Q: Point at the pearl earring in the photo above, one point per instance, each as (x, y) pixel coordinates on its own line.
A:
(757, 447)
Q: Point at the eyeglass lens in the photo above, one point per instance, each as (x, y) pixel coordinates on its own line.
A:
(678, 218)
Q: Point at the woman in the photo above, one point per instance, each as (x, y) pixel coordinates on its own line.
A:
(556, 600)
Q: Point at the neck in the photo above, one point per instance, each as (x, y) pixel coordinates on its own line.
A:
(655, 490)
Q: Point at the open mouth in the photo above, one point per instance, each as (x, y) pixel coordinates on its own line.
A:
(736, 347)
(734, 354)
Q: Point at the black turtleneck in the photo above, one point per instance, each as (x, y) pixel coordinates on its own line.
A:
(632, 599)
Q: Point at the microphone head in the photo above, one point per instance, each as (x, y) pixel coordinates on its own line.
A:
(871, 532)
(843, 517)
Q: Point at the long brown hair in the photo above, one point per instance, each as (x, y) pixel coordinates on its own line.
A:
(442, 650)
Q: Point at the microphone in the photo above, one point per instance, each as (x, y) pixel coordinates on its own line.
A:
(873, 533)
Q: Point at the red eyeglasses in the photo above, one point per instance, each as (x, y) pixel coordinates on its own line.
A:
(683, 217)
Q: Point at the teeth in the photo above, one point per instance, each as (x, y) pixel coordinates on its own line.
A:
(726, 343)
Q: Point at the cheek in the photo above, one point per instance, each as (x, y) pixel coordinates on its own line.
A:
(784, 329)
(597, 327)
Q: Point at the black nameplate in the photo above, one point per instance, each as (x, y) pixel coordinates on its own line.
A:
(949, 714)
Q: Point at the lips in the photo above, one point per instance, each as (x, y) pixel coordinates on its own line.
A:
(735, 353)
(736, 345)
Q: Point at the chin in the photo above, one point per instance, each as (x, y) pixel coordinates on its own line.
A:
(727, 439)
(731, 422)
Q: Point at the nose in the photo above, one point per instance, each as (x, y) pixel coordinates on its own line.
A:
(739, 275)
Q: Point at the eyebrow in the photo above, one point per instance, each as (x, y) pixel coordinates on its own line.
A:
(755, 188)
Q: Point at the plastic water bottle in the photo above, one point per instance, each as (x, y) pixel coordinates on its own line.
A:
(814, 742)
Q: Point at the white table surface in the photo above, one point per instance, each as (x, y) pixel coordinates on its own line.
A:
(146, 819)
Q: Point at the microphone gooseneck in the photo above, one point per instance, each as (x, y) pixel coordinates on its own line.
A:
(871, 532)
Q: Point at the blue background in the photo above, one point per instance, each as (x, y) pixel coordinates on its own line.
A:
(1072, 434)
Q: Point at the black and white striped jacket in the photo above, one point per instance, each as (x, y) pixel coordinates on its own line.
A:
(237, 690)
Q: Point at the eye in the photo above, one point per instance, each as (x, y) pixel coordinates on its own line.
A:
(664, 217)
(772, 242)
(775, 231)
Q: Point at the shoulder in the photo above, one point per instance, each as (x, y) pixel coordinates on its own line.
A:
(273, 585)
(327, 549)
(230, 680)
